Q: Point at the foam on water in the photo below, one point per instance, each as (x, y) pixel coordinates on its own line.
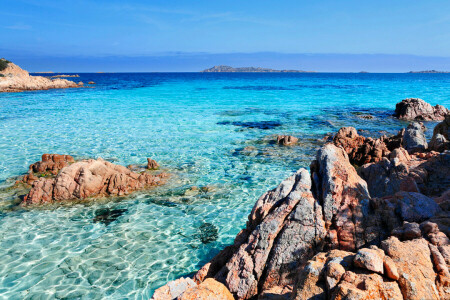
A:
(213, 130)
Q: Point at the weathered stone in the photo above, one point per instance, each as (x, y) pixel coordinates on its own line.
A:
(390, 268)
(341, 192)
(414, 138)
(441, 136)
(414, 109)
(15, 79)
(334, 273)
(414, 207)
(412, 258)
(408, 231)
(173, 289)
(52, 163)
(152, 164)
(370, 259)
(207, 290)
(359, 149)
(286, 140)
(89, 178)
(245, 268)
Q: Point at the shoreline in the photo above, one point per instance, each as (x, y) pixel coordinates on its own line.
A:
(277, 253)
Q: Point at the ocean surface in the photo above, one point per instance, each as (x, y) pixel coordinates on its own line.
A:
(212, 131)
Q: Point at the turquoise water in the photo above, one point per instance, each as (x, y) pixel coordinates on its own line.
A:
(196, 126)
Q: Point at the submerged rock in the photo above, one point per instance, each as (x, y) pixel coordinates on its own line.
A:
(414, 109)
(89, 178)
(286, 140)
(263, 125)
(108, 215)
(208, 233)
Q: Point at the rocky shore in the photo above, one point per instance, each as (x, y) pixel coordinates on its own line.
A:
(15, 79)
(370, 220)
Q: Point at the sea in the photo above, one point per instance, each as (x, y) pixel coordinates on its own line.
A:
(215, 133)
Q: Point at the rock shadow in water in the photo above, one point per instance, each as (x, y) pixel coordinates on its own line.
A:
(107, 215)
(263, 125)
(207, 233)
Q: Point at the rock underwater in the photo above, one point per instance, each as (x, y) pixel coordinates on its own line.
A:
(338, 233)
(61, 178)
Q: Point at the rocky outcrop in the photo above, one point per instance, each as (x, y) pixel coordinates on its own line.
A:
(414, 138)
(341, 193)
(286, 140)
(414, 109)
(362, 150)
(15, 79)
(412, 268)
(341, 234)
(441, 136)
(429, 175)
(89, 178)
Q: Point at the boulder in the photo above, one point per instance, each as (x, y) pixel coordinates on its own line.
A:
(441, 136)
(286, 140)
(417, 279)
(414, 138)
(89, 178)
(207, 290)
(341, 192)
(414, 109)
(152, 164)
(408, 231)
(331, 275)
(370, 259)
(173, 289)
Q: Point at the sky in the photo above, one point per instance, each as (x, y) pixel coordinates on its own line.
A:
(175, 35)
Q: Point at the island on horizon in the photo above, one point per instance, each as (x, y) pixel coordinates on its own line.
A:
(428, 71)
(228, 69)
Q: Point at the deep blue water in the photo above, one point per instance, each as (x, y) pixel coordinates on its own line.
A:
(196, 125)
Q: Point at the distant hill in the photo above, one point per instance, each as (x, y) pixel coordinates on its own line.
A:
(228, 69)
(428, 71)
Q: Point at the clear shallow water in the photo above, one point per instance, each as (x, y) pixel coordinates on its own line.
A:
(196, 126)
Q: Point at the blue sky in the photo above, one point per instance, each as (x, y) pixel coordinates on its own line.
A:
(77, 31)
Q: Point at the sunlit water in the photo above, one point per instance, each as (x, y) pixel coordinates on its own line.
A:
(196, 126)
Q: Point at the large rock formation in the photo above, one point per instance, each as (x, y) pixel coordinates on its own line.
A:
(14, 79)
(414, 109)
(332, 234)
(411, 269)
(362, 150)
(84, 179)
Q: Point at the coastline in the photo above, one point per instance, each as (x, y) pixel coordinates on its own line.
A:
(341, 210)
